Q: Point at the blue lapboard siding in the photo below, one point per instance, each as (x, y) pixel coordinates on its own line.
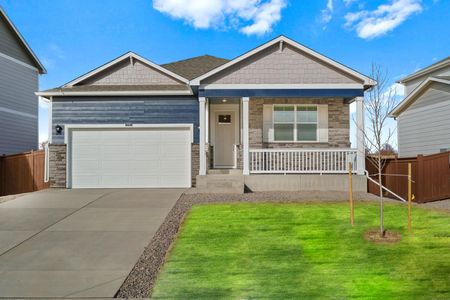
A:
(122, 110)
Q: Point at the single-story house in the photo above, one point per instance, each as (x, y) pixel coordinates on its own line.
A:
(19, 81)
(423, 122)
(280, 108)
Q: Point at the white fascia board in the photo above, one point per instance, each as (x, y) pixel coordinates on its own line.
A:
(367, 80)
(11, 24)
(118, 93)
(280, 86)
(128, 55)
(69, 127)
(412, 96)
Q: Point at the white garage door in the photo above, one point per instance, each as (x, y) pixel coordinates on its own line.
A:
(130, 158)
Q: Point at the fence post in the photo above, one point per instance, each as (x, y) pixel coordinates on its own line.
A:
(409, 196)
(350, 192)
(2, 173)
(32, 171)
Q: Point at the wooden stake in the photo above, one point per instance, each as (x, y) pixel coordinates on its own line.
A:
(350, 192)
(409, 196)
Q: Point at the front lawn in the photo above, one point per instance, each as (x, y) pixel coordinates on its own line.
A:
(279, 251)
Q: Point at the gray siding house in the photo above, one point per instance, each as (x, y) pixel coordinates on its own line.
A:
(423, 117)
(280, 108)
(19, 74)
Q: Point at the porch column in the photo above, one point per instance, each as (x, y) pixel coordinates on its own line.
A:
(245, 139)
(360, 143)
(202, 143)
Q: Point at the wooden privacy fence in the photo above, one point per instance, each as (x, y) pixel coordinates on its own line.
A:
(430, 176)
(22, 173)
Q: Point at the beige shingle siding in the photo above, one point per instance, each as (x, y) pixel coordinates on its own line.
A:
(274, 67)
(125, 73)
(424, 128)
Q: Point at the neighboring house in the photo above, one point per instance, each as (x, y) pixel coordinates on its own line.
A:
(423, 117)
(280, 108)
(19, 77)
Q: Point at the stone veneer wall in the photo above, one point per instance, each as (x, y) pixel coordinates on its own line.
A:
(195, 162)
(338, 123)
(57, 165)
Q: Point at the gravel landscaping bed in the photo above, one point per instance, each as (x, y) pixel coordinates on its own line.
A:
(142, 278)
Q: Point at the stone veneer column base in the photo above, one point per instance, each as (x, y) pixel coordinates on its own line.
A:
(57, 165)
(195, 163)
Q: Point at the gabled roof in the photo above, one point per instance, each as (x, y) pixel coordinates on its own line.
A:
(128, 55)
(367, 81)
(193, 67)
(431, 68)
(402, 106)
(25, 45)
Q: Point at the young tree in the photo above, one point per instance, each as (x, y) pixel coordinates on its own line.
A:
(379, 102)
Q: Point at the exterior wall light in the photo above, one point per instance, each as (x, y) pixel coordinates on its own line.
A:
(58, 129)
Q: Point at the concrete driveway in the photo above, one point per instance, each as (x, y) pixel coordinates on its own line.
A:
(76, 243)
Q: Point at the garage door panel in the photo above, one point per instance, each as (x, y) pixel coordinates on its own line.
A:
(86, 167)
(173, 181)
(130, 157)
(144, 167)
(112, 181)
(148, 181)
(144, 151)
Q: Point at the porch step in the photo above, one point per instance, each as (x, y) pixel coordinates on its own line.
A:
(224, 172)
(220, 184)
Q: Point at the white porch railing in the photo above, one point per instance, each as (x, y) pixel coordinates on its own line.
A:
(286, 161)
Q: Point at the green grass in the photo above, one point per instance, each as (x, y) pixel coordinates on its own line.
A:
(279, 251)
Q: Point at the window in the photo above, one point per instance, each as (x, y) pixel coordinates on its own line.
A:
(296, 123)
(224, 119)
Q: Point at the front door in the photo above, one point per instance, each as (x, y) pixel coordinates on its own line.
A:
(225, 137)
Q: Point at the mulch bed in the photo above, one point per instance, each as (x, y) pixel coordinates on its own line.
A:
(141, 280)
(389, 237)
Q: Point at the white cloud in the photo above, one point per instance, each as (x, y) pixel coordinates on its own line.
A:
(349, 2)
(327, 12)
(249, 16)
(385, 18)
(398, 90)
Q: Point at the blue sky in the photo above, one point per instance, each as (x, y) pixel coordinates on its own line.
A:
(73, 37)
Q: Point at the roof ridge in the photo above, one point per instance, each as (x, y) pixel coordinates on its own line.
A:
(190, 58)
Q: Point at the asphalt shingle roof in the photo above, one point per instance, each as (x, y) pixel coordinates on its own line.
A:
(196, 66)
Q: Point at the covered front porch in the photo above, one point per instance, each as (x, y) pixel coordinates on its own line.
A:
(277, 134)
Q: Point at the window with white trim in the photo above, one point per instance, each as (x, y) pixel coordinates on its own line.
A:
(295, 123)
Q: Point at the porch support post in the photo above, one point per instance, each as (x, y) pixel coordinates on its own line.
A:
(202, 146)
(360, 143)
(245, 139)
